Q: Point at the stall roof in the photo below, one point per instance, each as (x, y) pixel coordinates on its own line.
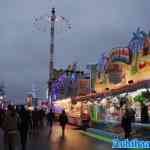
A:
(124, 89)
(131, 87)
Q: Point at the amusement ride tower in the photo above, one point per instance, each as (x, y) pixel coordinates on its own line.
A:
(51, 60)
(56, 24)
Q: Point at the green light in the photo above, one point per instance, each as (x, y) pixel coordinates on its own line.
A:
(98, 137)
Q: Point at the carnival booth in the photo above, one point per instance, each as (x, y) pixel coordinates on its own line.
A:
(75, 114)
(76, 109)
(60, 105)
(82, 111)
(126, 70)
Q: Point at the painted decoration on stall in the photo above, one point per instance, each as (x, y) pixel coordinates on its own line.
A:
(115, 73)
(137, 41)
(144, 60)
(121, 54)
(102, 68)
(129, 63)
(135, 45)
(103, 62)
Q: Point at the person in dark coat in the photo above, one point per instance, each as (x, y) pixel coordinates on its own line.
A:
(126, 123)
(24, 126)
(63, 119)
(50, 120)
(9, 126)
(35, 118)
(132, 113)
(2, 116)
(41, 117)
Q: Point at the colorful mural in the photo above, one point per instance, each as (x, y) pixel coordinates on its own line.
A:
(125, 64)
(115, 73)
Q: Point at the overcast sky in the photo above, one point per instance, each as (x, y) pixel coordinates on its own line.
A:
(97, 26)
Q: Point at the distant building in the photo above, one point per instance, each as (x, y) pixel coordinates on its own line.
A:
(3, 100)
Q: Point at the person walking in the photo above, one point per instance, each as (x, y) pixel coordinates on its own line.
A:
(24, 126)
(132, 114)
(41, 118)
(126, 123)
(30, 123)
(63, 119)
(10, 127)
(50, 119)
(2, 116)
(35, 118)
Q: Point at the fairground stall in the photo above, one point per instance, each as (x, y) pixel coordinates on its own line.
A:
(80, 109)
(60, 105)
(125, 70)
(77, 108)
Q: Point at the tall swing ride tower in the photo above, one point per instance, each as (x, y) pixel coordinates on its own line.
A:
(56, 24)
(51, 57)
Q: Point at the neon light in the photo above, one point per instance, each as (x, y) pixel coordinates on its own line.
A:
(98, 137)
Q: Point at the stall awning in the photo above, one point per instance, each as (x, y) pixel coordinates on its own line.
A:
(131, 87)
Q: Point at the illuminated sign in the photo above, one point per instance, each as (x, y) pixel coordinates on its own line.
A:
(121, 54)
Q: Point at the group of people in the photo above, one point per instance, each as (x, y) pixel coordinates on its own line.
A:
(63, 120)
(14, 121)
(37, 119)
(22, 120)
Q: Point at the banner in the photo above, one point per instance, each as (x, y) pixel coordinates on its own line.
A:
(121, 54)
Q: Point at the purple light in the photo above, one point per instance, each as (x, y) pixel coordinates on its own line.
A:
(58, 85)
(73, 77)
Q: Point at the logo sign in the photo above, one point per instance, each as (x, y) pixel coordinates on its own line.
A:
(121, 54)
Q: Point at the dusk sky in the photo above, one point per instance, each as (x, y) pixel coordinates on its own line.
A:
(97, 26)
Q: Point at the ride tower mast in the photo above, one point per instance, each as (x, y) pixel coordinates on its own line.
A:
(51, 53)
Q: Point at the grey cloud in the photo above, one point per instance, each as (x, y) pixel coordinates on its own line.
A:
(97, 26)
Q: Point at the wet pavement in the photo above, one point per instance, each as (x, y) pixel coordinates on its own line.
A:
(73, 140)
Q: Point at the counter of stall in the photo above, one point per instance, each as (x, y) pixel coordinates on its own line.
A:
(106, 113)
(77, 112)
(112, 108)
(60, 105)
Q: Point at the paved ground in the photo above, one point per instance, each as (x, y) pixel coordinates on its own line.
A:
(73, 140)
(1, 140)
